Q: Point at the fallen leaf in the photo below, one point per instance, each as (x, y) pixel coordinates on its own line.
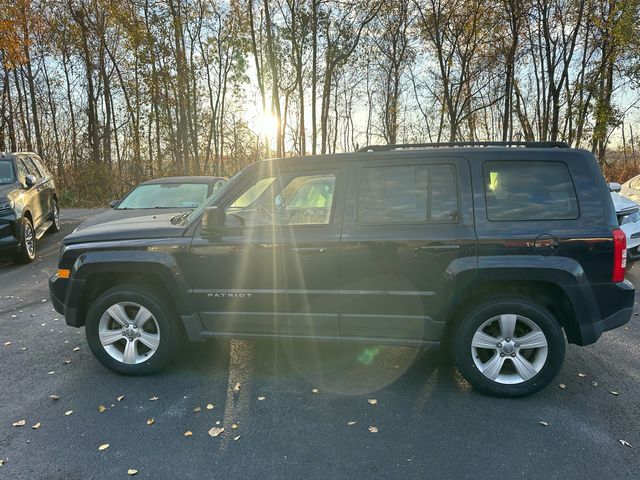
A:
(209, 406)
(54, 397)
(234, 426)
(236, 438)
(625, 443)
(67, 362)
(2, 462)
(132, 472)
(151, 421)
(373, 429)
(595, 384)
(6, 344)
(19, 423)
(36, 426)
(581, 375)
(101, 408)
(544, 424)
(51, 372)
(351, 423)
(315, 390)
(197, 409)
(77, 349)
(153, 399)
(613, 393)
(68, 412)
(120, 398)
(23, 348)
(262, 398)
(188, 433)
(562, 385)
(215, 431)
(104, 446)
(236, 387)
(372, 401)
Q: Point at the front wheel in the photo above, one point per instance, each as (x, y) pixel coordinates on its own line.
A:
(508, 347)
(130, 330)
(27, 253)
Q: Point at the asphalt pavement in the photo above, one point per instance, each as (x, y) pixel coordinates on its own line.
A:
(287, 407)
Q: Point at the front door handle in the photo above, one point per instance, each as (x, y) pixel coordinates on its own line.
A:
(439, 246)
(309, 250)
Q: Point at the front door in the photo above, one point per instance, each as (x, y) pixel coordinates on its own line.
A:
(272, 268)
(408, 225)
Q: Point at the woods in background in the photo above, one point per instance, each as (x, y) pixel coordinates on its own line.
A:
(111, 92)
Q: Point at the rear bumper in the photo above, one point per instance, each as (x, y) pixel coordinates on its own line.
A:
(613, 308)
(65, 298)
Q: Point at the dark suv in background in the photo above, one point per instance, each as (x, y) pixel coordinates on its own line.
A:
(502, 252)
(28, 204)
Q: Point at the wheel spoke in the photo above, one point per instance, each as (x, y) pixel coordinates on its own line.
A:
(532, 340)
(107, 337)
(524, 367)
(118, 313)
(151, 340)
(130, 352)
(142, 316)
(482, 340)
(507, 325)
(491, 369)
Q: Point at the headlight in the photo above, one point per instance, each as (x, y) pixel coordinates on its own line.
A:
(631, 218)
(6, 203)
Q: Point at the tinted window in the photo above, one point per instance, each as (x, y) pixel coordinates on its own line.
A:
(408, 194)
(285, 200)
(43, 170)
(6, 172)
(165, 195)
(31, 167)
(529, 191)
(22, 170)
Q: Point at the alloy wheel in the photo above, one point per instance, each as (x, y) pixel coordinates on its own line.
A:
(509, 349)
(129, 333)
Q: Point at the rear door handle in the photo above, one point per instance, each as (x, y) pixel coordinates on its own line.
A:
(309, 250)
(425, 248)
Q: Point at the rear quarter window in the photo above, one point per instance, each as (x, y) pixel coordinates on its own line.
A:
(517, 190)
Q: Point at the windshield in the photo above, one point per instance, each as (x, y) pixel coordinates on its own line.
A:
(6, 172)
(165, 195)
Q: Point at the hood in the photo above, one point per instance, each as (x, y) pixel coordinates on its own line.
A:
(5, 190)
(622, 204)
(132, 228)
(115, 214)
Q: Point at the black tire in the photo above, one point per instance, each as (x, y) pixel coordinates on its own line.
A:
(167, 325)
(55, 218)
(461, 346)
(26, 254)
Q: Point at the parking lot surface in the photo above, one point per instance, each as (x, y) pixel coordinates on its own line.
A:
(287, 407)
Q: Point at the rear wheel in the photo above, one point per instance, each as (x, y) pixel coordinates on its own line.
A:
(55, 218)
(27, 253)
(132, 331)
(509, 347)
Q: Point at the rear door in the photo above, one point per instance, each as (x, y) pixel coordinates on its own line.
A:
(46, 188)
(408, 222)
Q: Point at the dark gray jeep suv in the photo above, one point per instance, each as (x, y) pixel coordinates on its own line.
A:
(502, 252)
(28, 204)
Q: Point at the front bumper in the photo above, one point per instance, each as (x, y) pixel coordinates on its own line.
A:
(9, 242)
(65, 297)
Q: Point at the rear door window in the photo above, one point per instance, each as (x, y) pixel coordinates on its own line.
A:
(408, 194)
(517, 190)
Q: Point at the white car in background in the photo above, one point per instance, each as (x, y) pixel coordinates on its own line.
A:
(631, 189)
(628, 213)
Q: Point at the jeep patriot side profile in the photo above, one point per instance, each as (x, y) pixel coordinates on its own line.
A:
(502, 251)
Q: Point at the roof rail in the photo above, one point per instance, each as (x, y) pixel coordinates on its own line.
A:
(403, 146)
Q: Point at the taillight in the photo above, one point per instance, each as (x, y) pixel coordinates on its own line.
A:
(619, 255)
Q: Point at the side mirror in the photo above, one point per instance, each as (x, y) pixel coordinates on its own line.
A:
(30, 180)
(614, 186)
(212, 219)
(114, 203)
